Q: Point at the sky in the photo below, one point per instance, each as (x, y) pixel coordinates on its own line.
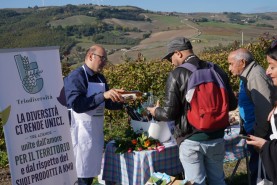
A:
(185, 6)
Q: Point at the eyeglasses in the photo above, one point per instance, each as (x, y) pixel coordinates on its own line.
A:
(102, 58)
(170, 58)
(274, 43)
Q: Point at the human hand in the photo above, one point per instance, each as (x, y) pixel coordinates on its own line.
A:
(114, 95)
(236, 93)
(257, 142)
(152, 109)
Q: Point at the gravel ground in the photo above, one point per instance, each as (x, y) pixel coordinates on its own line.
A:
(5, 176)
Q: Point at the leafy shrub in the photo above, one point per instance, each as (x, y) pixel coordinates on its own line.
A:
(220, 55)
(150, 76)
(3, 151)
(133, 75)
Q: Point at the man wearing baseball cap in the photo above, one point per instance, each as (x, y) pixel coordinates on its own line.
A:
(201, 153)
(177, 44)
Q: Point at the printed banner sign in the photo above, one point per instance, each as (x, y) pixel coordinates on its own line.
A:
(35, 118)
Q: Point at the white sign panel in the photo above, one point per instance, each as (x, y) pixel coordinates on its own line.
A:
(36, 124)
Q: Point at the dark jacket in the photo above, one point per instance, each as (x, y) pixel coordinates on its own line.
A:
(175, 102)
(76, 84)
(268, 154)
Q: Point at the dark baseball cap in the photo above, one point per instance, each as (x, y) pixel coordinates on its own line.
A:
(177, 44)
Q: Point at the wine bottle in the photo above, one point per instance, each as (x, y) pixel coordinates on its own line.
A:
(151, 103)
(142, 111)
(150, 100)
(133, 95)
(133, 113)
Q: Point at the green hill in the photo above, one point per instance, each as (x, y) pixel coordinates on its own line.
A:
(125, 31)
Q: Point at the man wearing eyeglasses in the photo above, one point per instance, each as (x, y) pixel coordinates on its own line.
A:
(87, 95)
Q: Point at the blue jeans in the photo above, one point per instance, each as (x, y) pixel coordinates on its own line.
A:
(203, 159)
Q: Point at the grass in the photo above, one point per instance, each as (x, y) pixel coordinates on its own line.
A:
(240, 177)
(166, 22)
(224, 25)
(74, 20)
(212, 33)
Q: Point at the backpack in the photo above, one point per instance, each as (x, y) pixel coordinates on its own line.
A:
(207, 97)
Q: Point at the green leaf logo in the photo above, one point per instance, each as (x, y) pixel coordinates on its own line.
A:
(5, 114)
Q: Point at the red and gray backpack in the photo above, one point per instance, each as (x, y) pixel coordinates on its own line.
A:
(207, 97)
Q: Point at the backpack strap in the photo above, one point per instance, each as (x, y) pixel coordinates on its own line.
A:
(210, 66)
(188, 66)
(191, 67)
